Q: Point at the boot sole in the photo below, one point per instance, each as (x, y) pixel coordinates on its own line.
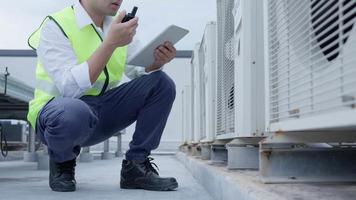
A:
(63, 190)
(170, 187)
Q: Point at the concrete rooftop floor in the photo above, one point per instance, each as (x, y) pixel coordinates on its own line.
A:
(96, 180)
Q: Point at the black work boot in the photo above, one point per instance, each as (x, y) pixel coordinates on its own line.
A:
(142, 175)
(61, 176)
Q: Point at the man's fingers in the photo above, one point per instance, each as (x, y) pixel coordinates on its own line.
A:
(133, 22)
(157, 58)
(161, 56)
(132, 33)
(120, 17)
(165, 51)
(167, 48)
(133, 28)
(172, 50)
(170, 47)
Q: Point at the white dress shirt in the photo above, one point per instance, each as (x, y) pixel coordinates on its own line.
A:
(60, 62)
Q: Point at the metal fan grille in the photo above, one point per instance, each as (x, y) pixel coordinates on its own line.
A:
(225, 78)
(312, 48)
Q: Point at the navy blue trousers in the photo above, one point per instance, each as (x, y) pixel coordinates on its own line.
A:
(67, 124)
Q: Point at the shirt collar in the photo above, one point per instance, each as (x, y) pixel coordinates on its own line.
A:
(83, 18)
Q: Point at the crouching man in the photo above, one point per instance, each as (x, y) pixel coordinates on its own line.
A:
(78, 102)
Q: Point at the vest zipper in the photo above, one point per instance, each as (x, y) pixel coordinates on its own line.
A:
(105, 68)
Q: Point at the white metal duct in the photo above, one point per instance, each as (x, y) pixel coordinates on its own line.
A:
(312, 64)
(208, 70)
(225, 76)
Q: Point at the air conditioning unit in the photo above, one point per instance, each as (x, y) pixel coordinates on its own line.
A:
(311, 91)
(312, 64)
(249, 69)
(15, 133)
(197, 98)
(240, 80)
(187, 126)
(208, 70)
(225, 120)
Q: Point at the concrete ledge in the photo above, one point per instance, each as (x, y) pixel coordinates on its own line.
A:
(224, 184)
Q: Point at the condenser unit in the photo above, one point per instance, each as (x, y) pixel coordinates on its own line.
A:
(187, 126)
(311, 91)
(208, 70)
(196, 96)
(225, 120)
(312, 64)
(240, 79)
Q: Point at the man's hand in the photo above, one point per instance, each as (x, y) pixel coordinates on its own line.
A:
(121, 34)
(163, 55)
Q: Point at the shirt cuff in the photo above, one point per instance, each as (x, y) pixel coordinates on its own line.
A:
(81, 76)
(142, 71)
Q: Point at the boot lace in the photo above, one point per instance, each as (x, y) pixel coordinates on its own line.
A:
(149, 165)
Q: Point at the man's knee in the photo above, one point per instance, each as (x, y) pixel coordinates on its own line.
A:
(167, 84)
(77, 111)
(69, 113)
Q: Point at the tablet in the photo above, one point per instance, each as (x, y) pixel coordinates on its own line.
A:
(145, 58)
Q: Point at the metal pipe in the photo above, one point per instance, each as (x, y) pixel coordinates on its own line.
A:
(106, 146)
(86, 150)
(31, 140)
(6, 75)
(119, 143)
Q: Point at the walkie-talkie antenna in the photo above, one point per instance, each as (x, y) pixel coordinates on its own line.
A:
(131, 15)
(134, 11)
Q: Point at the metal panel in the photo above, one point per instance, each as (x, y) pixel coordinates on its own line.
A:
(15, 88)
(14, 97)
(17, 53)
(249, 69)
(311, 49)
(32, 53)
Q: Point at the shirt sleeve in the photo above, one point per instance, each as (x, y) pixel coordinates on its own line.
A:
(131, 71)
(60, 62)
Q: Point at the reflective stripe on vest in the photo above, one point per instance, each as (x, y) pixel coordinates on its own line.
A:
(52, 90)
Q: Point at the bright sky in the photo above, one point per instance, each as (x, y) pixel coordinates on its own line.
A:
(18, 19)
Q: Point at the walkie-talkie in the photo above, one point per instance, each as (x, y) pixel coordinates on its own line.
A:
(130, 16)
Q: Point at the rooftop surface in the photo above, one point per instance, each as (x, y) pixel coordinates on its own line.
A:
(96, 180)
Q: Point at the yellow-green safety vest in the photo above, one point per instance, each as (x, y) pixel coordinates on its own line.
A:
(84, 42)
